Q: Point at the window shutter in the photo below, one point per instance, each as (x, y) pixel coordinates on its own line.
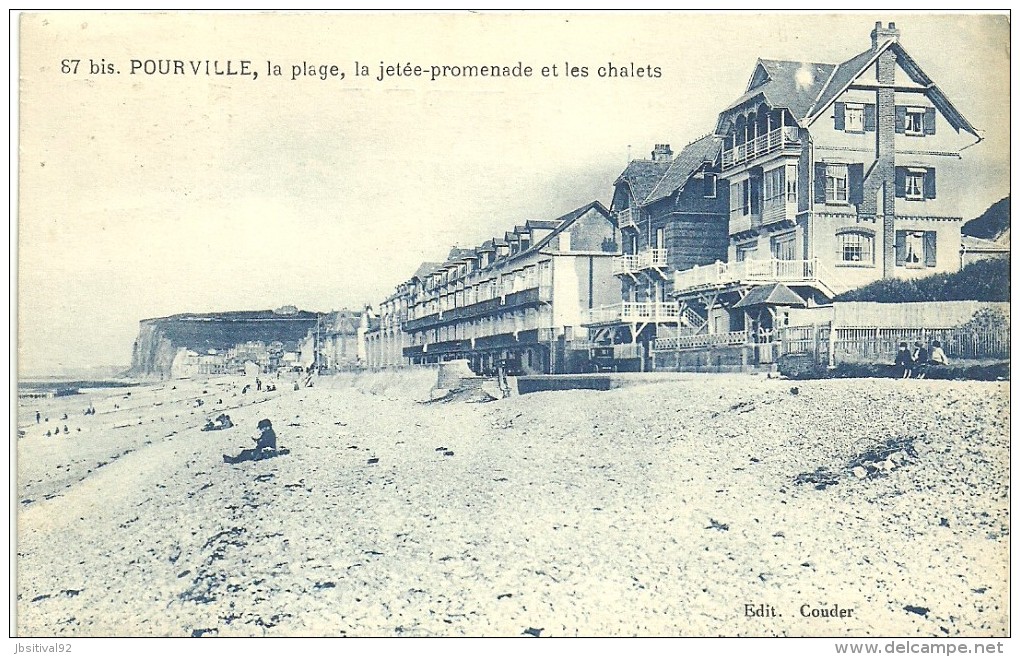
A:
(901, 182)
(840, 116)
(869, 117)
(901, 247)
(929, 248)
(929, 121)
(929, 183)
(819, 183)
(901, 118)
(855, 173)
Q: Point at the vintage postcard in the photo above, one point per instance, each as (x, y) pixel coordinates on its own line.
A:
(513, 324)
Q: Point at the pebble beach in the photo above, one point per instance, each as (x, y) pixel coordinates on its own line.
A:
(694, 505)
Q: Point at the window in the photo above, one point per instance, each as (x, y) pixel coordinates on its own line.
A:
(774, 185)
(836, 183)
(916, 248)
(914, 189)
(740, 198)
(915, 183)
(784, 247)
(711, 185)
(855, 247)
(915, 121)
(854, 118)
(791, 183)
(746, 251)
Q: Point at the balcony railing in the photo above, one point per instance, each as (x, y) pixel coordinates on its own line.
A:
(634, 311)
(779, 139)
(632, 264)
(748, 271)
(627, 218)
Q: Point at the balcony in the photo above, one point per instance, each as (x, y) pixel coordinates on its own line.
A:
(627, 218)
(748, 271)
(781, 139)
(634, 312)
(635, 264)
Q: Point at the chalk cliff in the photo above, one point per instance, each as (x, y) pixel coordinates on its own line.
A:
(160, 339)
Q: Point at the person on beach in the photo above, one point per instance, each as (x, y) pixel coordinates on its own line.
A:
(504, 383)
(904, 361)
(38, 417)
(258, 384)
(920, 357)
(265, 445)
(938, 356)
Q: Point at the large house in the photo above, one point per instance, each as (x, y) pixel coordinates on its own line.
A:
(837, 175)
(518, 298)
(671, 212)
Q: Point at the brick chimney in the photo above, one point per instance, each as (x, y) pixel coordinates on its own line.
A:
(661, 152)
(880, 34)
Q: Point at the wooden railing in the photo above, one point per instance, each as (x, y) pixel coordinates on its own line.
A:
(771, 142)
(702, 340)
(632, 264)
(751, 271)
(634, 311)
(627, 218)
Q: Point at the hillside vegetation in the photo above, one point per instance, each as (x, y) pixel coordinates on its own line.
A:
(985, 280)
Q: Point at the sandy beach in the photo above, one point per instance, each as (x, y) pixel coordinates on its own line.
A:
(660, 509)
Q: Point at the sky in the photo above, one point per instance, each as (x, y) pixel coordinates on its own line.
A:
(148, 195)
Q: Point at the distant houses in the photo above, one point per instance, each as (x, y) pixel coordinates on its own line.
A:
(519, 298)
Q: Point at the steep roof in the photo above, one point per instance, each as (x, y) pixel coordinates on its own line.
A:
(683, 166)
(773, 294)
(564, 222)
(643, 176)
(782, 83)
(426, 268)
(456, 253)
(807, 89)
(842, 76)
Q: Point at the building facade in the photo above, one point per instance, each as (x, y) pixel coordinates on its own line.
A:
(671, 215)
(518, 298)
(836, 175)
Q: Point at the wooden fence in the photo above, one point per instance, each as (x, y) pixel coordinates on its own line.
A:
(880, 344)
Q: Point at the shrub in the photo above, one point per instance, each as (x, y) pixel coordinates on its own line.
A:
(984, 280)
(800, 366)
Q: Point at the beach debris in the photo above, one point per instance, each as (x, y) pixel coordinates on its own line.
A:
(197, 633)
(448, 452)
(533, 631)
(920, 611)
(794, 390)
(883, 459)
(822, 478)
(325, 585)
(373, 461)
(504, 595)
(943, 522)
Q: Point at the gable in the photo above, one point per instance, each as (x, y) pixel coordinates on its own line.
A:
(759, 77)
(862, 70)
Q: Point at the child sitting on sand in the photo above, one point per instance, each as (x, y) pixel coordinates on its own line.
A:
(265, 445)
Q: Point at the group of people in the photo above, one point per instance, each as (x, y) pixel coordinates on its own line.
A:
(914, 363)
